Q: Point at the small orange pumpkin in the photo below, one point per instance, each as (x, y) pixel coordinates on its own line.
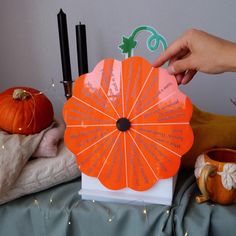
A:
(25, 111)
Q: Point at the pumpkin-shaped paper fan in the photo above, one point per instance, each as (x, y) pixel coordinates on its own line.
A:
(128, 124)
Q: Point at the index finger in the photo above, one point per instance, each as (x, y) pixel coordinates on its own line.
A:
(176, 47)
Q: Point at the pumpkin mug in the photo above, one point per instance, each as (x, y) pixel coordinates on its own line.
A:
(215, 171)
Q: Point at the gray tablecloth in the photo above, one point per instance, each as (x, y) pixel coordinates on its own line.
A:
(59, 211)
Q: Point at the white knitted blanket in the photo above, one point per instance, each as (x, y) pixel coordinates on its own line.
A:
(19, 175)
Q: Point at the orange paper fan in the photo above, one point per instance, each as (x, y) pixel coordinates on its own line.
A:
(128, 124)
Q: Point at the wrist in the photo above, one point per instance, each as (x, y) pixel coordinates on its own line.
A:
(229, 60)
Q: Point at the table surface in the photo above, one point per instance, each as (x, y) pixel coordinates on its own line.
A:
(60, 211)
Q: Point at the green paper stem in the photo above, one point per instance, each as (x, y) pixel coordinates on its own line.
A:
(129, 43)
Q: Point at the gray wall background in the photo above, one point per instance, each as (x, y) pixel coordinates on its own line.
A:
(30, 53)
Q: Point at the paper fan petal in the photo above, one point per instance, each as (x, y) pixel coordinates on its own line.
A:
(124, 170)
(91, 159)
(174, 108)
(78, 138)
(101, 87)
(164, 163)
(135, 73)
(78, 113)
(176, 138)
(141, 175)
(113, 172)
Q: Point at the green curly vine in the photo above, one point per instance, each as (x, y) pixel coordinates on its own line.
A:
(129, 43)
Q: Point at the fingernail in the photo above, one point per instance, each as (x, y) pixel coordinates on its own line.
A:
(171, 70)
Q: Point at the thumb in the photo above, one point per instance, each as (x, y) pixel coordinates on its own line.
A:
(181, 65)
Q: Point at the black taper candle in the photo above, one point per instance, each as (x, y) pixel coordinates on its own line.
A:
(64, 46)
(81, 49)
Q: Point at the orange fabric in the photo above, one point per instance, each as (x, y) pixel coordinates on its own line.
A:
(210, 131)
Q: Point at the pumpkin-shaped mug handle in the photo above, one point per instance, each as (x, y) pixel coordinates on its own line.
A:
(208, 170)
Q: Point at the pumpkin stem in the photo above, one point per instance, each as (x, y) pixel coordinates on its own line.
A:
(20, 94)
(129, 43)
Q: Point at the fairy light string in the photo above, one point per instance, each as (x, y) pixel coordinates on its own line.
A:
(110, 215)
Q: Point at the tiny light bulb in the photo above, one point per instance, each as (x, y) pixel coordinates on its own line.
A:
(93, 201)
(53, 85)
(69, 222)
(3, 147)
(145, 211)
(110, 219)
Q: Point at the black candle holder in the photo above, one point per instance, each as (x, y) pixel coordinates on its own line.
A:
(68, 84)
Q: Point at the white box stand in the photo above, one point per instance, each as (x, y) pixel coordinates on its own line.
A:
(161, 193)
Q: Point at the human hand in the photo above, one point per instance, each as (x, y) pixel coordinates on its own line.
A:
(196, 51)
